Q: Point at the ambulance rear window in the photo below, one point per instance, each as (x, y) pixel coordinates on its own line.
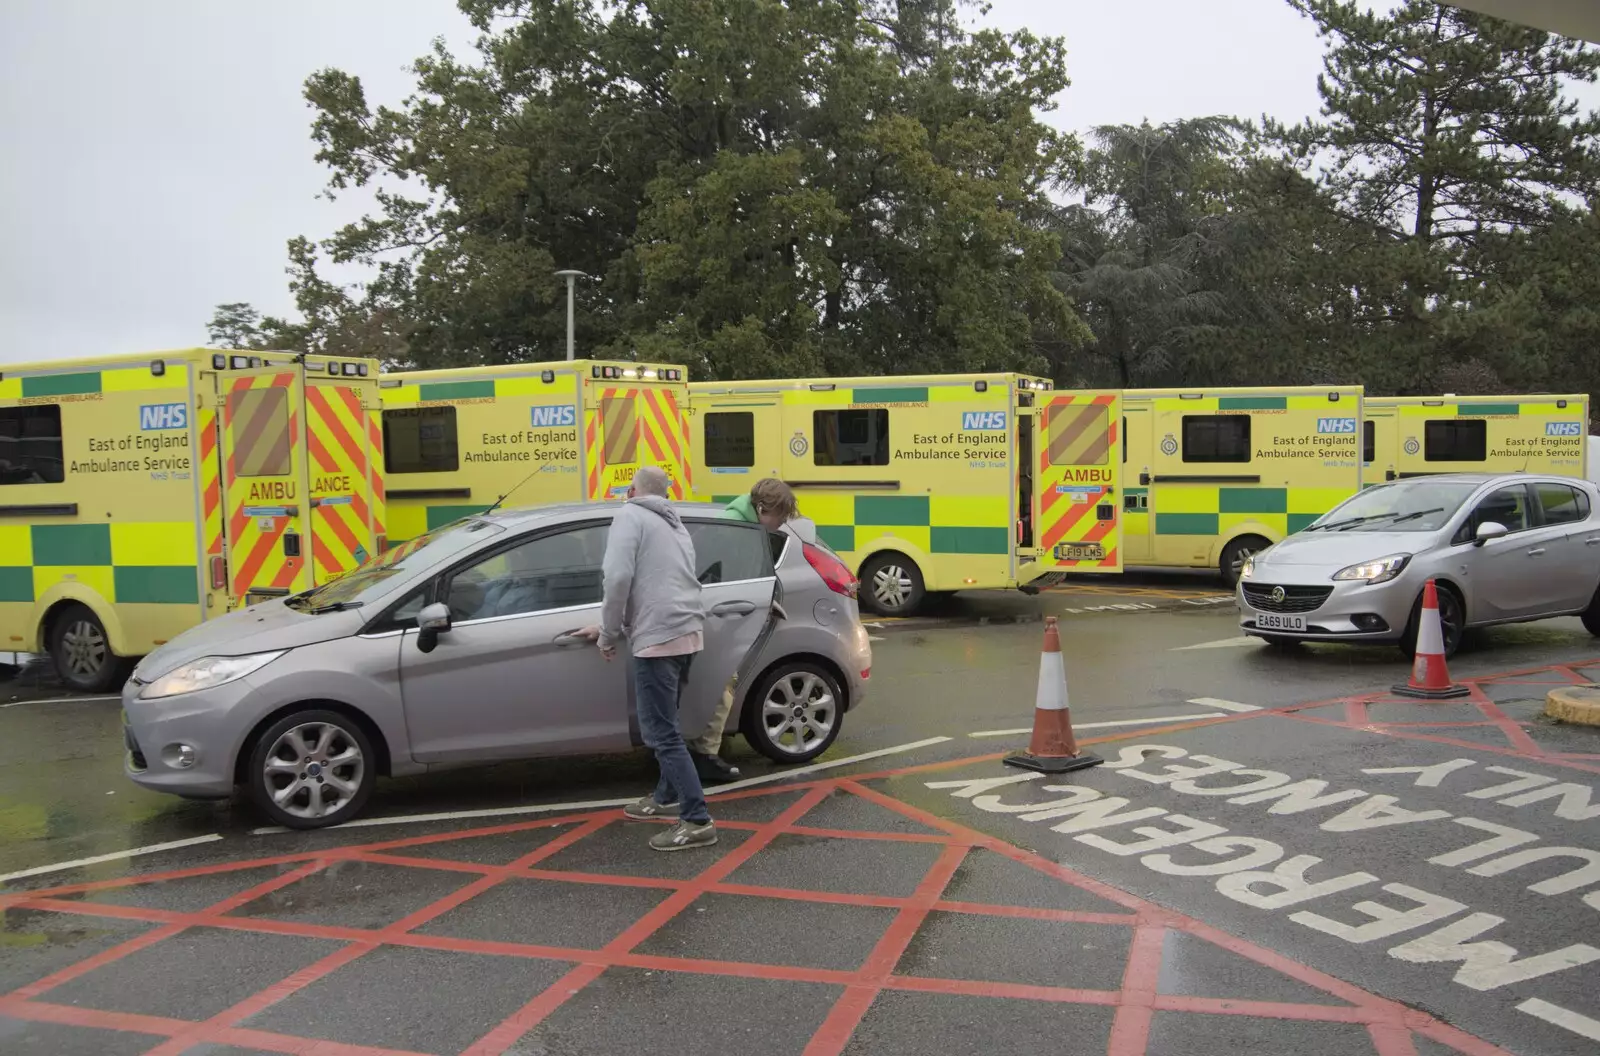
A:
(1455, 440)
(30, 445)
(730, 439)
(1369, 442)
(420, 440)
(850, 438)
(1216, 438)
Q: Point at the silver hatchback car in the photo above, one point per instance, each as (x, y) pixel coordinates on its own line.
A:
(459, 648)
(1502, 548)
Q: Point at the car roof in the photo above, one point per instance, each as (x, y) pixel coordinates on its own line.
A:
(1490, 478)
(526, 516)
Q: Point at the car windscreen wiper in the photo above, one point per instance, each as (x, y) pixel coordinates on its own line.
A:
(1418, 513)
(334, 606)
(1338, 526)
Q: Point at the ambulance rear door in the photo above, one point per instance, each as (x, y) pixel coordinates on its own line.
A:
(345, 448)
(265, 478)
(1076, 524)
(634, 416)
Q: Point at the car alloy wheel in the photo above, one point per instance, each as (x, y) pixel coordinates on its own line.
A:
(312, 768)
(795, 714)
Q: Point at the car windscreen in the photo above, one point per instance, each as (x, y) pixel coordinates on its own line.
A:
(371, 579)
(1408, 506)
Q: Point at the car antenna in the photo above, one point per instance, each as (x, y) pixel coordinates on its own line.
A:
(518, 485)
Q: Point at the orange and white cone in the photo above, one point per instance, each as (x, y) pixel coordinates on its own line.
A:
(1053, 748)
(1430, 678)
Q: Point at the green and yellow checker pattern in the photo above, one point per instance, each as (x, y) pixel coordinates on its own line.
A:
(153, 563)
(1203, 509)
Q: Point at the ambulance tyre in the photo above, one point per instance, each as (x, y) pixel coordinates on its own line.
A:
(82, 652)
(311, 768)
(1235, 554)
(891, 585)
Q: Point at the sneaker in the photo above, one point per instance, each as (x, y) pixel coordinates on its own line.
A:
(683, 836)
(647, 809)
(713, 769)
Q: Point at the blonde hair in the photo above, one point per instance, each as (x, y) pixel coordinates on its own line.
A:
(771, 495)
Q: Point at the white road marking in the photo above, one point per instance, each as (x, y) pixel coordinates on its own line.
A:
(1224, 643)
(57, 700)
(1562, 1017)
(1225, 705)
(113, 856)
(1106, 725)
(596, 804)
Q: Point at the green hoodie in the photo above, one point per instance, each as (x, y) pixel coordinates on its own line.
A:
(741, 509)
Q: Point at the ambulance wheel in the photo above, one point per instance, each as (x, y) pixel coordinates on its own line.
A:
(1236, 553)
(795, 713)
(82, 652)
(311, 769)
(891, 585)
(1450, 623)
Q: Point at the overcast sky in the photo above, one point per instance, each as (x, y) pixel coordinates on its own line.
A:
(157, 156)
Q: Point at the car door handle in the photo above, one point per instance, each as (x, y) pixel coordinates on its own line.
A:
(733, 608)
(1592, 542)
(1536, 551)
(567, 639)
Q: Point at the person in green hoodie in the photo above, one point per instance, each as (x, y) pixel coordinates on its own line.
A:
(770, 503)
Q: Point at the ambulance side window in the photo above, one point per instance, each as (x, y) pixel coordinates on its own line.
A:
(30, 445)
(730, 439)
(1216, 438)
(850, 438)
(1455, 440)
(420, 440)
(1369, 442)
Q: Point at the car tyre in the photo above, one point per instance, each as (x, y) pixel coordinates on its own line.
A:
(299, 759)
(1591, 615)
(1451, 621)
(795, 713)
(892, 585)
(81, 650)
(1234, 555)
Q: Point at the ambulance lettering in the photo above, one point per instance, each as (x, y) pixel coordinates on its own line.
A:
(973, 421)
(553, 415)
(271, 490)
(1088, 476)
(1563, 429)
(1336, 425)
(330, 485)
(163, 416)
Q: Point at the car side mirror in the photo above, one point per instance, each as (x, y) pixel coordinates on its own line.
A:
(1489, 530)
(432, 621)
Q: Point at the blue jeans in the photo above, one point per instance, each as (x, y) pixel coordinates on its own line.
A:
(658, 685)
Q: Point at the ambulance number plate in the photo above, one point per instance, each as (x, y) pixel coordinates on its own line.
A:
(1267, 621)
(1080, 552)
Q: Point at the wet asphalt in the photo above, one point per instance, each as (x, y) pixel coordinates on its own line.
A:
(971, 668)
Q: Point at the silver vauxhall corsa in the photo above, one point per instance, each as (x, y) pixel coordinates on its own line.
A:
(1503, 549)
(459, 647)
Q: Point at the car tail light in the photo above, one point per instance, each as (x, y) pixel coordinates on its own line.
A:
(219, 573)
(833, 571)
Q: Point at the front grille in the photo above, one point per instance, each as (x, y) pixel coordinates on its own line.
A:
(135, 756)
(1261, 596)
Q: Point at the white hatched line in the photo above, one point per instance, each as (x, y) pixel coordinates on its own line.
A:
(113, 856)
(597, 804)
(1105, 725)
(1225, 705)
(1221, 643)
(1562, 1017)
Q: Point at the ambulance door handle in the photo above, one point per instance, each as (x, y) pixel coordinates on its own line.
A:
(1144, 479)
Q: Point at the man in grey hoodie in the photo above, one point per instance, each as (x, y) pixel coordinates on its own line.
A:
(653, 598)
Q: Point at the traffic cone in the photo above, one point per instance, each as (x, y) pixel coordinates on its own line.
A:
(1430, 678)
(1053, 749)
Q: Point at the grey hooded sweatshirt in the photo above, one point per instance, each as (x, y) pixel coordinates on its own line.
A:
(651, 593)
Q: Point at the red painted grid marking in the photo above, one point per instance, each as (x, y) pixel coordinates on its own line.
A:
(1390, 1026)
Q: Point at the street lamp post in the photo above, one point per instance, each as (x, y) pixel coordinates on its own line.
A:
(572, 278)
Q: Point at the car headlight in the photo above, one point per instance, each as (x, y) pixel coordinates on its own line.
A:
(207, 673)
(1379, 571)
(1248, 569)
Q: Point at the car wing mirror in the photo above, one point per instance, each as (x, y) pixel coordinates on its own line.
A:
(1489, 530)
(432, 621)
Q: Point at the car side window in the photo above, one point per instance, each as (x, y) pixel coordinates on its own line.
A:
(1507, 506)
(728, 551)
(551, 572)
(1561, 503)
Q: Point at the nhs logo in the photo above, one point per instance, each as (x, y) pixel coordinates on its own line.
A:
(982, 420)
(164, 416)
(1336, 425)
(554, 415)
(1563, 428)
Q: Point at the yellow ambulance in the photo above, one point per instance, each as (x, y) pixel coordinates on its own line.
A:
(926, 484)
(1213, 475)
(1413, 436)
(141, 494)
(456, 441)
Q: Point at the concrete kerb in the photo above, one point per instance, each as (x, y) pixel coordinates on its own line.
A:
(1579, 705)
